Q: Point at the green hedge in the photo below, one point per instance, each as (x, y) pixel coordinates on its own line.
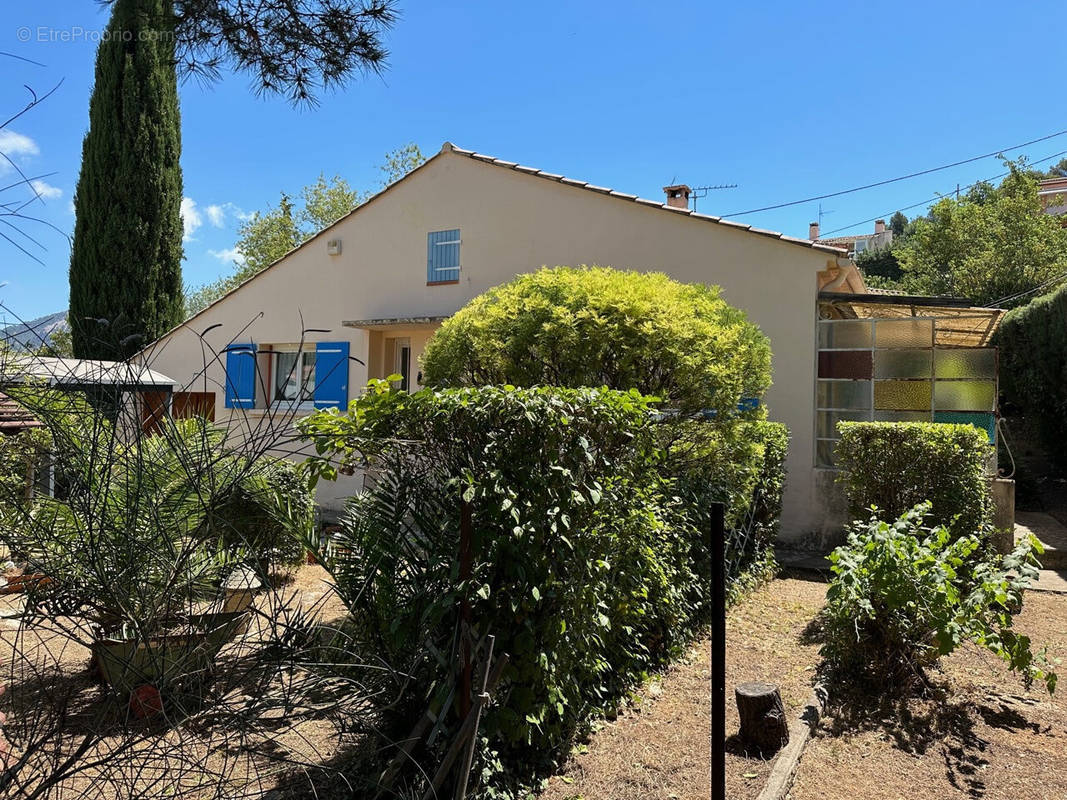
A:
(598, 326)
(898, 465)
(1033, 367)
(590, 545)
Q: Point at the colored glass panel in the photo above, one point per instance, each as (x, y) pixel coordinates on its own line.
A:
(987, 422)
(965, 363)
(904, 333)
(902, 395)
(824, 453)
(901, 416)
(964, 395)
(847, 333)
(826, 421)
(845, 364)
(903, 363)
(844, 394)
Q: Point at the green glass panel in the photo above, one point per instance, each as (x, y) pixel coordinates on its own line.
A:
(975, 363)
(902, 416)
(904, 333)
(964, 395)
(902, 395)
(844, 333)
(826, 421)
(987, 422)
(844, 394)
(903, 363)
(824, 453)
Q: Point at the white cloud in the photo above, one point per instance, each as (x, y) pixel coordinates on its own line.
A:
(229, 255)
(46, 190)
(191, 218)
(216, 214)
(15, 146)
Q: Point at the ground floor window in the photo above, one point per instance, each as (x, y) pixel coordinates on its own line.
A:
(293, 376)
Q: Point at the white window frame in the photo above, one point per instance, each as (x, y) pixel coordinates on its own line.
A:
(300, 404)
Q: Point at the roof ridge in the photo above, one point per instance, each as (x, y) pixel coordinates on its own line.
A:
(449, 147)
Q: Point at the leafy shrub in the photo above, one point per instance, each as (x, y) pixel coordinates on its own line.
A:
(20, 455)
(904, 595)
(587, 558)
(1033, 367)
(597, 326)
(264, 509)
(741, 464)
(897, 465)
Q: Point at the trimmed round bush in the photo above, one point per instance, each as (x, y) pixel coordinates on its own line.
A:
(598, 326)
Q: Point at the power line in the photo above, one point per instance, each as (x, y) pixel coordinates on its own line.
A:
(937, 197)
(899, 178)
(1035, 290)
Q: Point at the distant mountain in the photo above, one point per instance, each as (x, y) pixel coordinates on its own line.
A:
(36, 333)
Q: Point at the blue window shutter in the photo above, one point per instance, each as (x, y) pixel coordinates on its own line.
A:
(331, 375)
(442, 256)
(241, 375)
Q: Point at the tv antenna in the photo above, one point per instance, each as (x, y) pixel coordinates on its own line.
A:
(703, 191)
(822, 214)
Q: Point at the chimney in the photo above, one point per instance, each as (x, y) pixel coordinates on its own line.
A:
(813, 230)
(678, 195)
(879, 226)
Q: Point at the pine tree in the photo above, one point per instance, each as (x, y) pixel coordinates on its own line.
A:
(125, 269)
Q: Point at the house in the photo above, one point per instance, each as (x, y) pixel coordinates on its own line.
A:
(369, 291)
(855, 244)
(1052, 193)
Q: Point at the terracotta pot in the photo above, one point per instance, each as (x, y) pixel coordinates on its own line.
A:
(25, 583)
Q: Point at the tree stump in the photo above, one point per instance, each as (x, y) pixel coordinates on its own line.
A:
(763, 720)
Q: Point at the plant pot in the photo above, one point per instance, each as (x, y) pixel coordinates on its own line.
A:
(25, 583)
(163, 660)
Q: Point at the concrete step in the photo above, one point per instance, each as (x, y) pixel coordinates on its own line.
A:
(1050, 532)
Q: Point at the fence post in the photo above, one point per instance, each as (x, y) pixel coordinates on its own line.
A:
(718, 651)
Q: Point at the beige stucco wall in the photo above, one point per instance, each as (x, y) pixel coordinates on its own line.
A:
(512, 223)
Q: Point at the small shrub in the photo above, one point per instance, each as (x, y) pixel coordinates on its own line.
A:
(597, 326)
(897, 465)
(264, 509)
(904, 595)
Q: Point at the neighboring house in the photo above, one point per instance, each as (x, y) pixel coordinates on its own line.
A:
(1053, 195)
(36, 333)
(376, 284)
(855, 244)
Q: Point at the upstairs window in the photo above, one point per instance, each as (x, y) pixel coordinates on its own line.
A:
(442, 256)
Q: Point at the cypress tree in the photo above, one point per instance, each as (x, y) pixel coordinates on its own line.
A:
(125, 268)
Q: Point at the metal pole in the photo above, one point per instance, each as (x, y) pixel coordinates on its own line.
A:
(718, 651)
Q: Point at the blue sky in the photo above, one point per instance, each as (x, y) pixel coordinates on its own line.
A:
(788, 100)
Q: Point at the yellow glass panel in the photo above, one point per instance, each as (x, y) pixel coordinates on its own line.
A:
(902, 395)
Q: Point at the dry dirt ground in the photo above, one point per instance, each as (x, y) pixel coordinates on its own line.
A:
(658, 748)
(242, 748)
(984, 736)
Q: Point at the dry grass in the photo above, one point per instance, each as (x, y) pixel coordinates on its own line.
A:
(981, 736)
(658, 749)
